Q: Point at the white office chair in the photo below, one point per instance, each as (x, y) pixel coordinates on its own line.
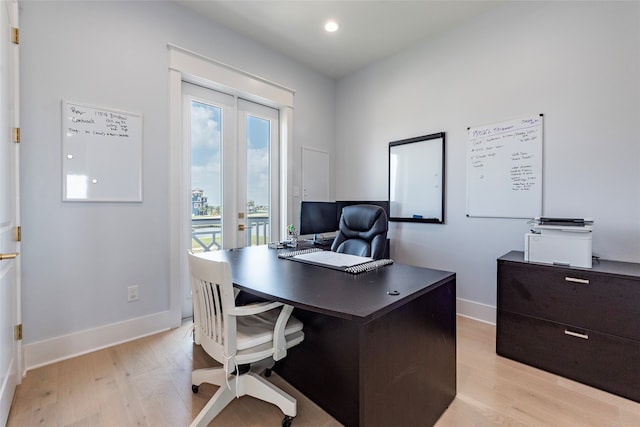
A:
(238, 336)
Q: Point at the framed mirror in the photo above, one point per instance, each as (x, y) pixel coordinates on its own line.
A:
(416, 179)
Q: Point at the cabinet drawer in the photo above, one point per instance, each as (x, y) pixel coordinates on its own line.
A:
(599, 360)
(595, 301)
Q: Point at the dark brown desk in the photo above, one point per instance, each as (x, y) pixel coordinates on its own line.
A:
(368, 358)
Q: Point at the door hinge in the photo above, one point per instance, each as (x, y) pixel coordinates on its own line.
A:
(15, 135)
(18, 234)
(18, 332)
(15, 35)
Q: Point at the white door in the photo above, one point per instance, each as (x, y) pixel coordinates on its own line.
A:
(257, 173)
(315, 175)
(10, 362)
(233, 149)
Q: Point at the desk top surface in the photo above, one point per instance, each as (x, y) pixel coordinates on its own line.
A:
(259, 271)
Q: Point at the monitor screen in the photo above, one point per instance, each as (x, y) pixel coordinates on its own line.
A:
(318, 217)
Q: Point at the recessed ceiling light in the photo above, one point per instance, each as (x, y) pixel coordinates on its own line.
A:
(331, 26)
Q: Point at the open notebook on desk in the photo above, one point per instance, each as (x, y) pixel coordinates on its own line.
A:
(332, 259)
(337, 261)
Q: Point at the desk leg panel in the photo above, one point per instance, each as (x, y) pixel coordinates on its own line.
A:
(409, 362)
(324, 367)
(399, 369)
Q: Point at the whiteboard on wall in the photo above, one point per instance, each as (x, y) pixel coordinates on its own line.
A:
(315, 175)
(101, 154)
(504, 169)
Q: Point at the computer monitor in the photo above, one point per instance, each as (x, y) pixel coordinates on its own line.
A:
(317, 218)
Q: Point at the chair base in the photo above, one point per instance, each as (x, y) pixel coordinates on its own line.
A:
(232, 386)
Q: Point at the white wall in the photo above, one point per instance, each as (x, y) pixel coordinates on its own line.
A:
(79, 258)
(578, 63)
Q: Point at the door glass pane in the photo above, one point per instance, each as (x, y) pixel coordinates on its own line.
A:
(206, 177)
(258, 182)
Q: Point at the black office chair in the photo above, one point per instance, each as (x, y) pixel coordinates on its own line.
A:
(362, 231)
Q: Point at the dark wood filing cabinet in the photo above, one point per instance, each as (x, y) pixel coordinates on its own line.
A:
(583, 324)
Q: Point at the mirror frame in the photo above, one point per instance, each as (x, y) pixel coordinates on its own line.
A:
(416, 180)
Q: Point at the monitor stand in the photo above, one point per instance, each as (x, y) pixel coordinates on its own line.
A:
(322, 242)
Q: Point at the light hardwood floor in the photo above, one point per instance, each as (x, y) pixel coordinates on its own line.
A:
(147, 383)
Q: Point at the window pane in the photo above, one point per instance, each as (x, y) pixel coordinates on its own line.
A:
(258, 172)
(206, 178)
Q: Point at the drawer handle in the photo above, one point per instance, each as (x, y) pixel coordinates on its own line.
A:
(576, 280)
(576, 334)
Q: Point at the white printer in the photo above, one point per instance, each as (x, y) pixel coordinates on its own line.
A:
(563, 241)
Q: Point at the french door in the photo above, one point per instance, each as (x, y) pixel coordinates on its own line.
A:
(257, 177)
(233, 146)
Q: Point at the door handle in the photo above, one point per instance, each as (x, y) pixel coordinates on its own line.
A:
(8, 256)
(240, 227)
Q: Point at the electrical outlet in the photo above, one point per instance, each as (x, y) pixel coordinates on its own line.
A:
(132, 293)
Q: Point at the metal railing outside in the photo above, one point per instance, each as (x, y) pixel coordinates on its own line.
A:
(206, 232)
(258, 227)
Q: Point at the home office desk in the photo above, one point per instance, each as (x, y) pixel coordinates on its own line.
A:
(368, 358)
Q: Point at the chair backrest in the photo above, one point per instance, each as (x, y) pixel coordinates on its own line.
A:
(213, 299)
(362, 231)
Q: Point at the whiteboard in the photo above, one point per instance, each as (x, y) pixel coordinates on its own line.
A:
(101, 154)
(504, 169)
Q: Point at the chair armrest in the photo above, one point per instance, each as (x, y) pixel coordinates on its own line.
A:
(279, 341)
(255, 308)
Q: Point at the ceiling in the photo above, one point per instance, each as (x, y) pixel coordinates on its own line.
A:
(369, 30)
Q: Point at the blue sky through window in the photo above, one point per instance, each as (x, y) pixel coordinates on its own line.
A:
(206, 162)
(258, 160)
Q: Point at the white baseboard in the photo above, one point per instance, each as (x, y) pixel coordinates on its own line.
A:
(67, 346)
(475, 310)
(64, 347)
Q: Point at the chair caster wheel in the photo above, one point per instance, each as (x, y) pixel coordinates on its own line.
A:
(195, 388)
(286, 421)
(267, 372)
